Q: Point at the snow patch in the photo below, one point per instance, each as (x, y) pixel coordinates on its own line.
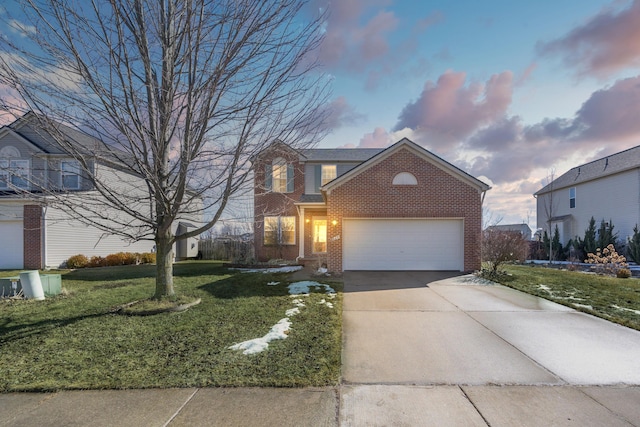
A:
(588, 307)
(626, 309)
(304, 287)
(278, 332)
(325, 302)
(273, 283)
(285, 269)
(292, 312)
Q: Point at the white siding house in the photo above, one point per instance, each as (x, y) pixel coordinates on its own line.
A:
(39, 232)
(606, 189)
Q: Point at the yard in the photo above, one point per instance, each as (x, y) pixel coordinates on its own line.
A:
(613, 299)
(77, 341)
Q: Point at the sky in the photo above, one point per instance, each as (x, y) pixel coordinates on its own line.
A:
(511, 92)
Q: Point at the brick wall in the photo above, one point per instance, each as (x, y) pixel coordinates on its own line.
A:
(33, 237)
(438, 194)
(267, 203)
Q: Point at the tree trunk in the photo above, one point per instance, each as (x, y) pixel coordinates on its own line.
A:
(164, 267)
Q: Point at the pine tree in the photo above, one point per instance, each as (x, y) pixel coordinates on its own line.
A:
(589, 245)
(633, 246)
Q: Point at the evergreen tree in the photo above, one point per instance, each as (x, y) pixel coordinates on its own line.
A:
(606, 236)
(589, 245)
(633, 246)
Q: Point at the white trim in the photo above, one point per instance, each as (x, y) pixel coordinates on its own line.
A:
(301, 232)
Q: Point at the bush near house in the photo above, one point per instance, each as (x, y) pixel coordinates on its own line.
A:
(111, 260)
(499, 247)
(608, 261)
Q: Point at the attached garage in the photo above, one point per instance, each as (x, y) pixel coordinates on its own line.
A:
(403, 244)
(11, 251)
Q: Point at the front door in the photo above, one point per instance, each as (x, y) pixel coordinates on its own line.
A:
(319, 235)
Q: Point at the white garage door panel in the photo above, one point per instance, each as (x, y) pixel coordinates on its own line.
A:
(403, 244)
(11, 250)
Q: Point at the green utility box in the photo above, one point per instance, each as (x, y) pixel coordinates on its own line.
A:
(51, 285)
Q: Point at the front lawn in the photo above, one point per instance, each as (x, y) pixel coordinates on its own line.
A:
(617, 300)
(77, 341)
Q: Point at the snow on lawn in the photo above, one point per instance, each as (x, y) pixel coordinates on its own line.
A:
(280, 330)
(285, 269)
(626, 309)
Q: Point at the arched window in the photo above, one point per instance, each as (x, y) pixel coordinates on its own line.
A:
(9, 151)
(405, 178)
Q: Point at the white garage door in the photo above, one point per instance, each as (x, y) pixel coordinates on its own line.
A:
(11, 249)
(403, 244)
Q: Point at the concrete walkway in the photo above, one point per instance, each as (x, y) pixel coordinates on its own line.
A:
(419, 349)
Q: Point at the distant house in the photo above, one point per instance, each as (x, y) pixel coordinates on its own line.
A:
(606, 189)
(401, 208)
(35, 232)
(523, 229)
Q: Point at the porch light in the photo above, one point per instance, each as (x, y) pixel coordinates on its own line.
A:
(334, 222)
(307, 221)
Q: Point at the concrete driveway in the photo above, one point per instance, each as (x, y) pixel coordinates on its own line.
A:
(474, 353)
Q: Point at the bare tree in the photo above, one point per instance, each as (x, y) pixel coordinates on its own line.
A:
(182, 93)
(500, 246)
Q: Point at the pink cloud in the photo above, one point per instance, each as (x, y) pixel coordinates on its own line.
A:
(449, 110)
(606, 123)
(605, 44)
(12, 105)
(379, 138)
(340, 113)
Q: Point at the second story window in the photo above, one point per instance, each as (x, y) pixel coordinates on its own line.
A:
(572, 197)
(329, 173)
(14, 174)
(70, 175)
(279, 176)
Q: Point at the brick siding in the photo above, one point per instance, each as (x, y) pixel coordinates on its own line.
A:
(438, 194)
(268, 203)
(33, 237)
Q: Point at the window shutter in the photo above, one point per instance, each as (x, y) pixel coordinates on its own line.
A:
(317, 172)
(267, 176)
(289, 178)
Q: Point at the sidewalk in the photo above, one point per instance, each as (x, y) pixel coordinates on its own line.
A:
(370, 405)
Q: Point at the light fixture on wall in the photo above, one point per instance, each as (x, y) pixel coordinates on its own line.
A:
(307, 220)
(334, 222)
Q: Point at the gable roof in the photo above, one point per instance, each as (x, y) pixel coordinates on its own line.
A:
(419, 151)
(609, 165)
(30, 127)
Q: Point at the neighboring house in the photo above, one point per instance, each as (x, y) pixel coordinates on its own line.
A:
(606, 189)
(401, 208)
(35, 232)
(523, 229)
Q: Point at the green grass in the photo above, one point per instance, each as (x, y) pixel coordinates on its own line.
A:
(77, 341)
(597, 295)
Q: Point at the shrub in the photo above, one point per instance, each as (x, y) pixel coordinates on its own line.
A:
(633, 245)
(97, 261)
(623, 273)
(77, 261)
(607, 261)
(115, 259)
(500, 246)
(129, 258)
(148, 258)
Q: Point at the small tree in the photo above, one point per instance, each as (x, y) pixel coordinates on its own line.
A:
(500, 246)
(588, 244)
(606, 236)
(633, 245)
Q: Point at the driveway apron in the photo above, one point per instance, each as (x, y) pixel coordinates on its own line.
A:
(475, 344)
